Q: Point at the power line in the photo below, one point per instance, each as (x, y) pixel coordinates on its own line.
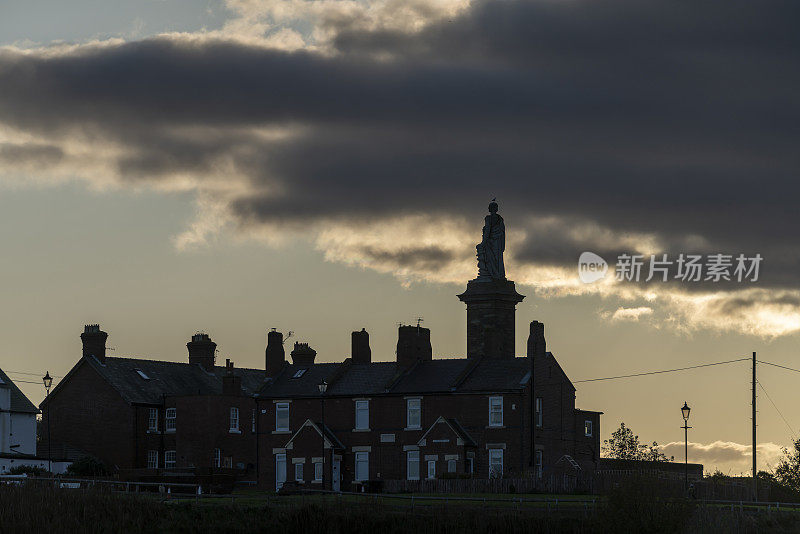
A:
(781, 366)
(791, 431)
(660, 372)
(27, 373)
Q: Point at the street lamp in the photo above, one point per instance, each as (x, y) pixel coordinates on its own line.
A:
(323, 387)
(48, 381)
(685, 413)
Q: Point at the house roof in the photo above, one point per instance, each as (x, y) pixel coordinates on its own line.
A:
(433, 376)
(330, 438)
(140, 381)
(19, 402)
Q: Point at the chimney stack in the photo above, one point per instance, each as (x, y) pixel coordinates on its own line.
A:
(276, 356)
(94, 342)
(413, 344)
(303, 355)
(231, 384)
(202, 351)
(360, 352)
(537, 346)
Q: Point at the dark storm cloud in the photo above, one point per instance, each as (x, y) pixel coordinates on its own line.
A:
(652, 117)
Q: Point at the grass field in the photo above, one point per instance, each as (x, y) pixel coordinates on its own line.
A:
(31, 508)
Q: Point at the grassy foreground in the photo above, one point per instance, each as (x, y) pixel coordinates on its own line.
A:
(45, 509)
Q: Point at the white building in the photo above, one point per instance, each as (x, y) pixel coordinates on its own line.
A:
(18, 429)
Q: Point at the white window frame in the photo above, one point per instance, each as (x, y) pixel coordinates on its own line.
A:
(362, 466)
(152, 459)
(234, 419)
(431, 469)
(170, 459)
(539, 411)
(170, 419)
(280, 460)
(470, 465)
(152, 420)
(587, 428)
(298, 472)
(494, 454)
(317, 471)
(362, 409)
(452, 466)
(495, 409)
(412, 464)
(227, 462)
(414, 406)
(281, 407)
(538, 460)
(217, 461)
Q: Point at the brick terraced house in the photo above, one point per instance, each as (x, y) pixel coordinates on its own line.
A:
(346, 425)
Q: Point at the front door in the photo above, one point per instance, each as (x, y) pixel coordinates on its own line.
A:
(336, 477)
(280, 470)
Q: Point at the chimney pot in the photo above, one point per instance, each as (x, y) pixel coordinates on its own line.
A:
(94, 342)
(202, 351)
(275, 355)
(303, 355)
(413, 344)
(360, 351)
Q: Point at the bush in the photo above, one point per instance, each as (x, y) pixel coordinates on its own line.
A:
(88, 466)
(30, 470)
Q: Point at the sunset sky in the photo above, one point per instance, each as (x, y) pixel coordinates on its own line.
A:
(169, 166)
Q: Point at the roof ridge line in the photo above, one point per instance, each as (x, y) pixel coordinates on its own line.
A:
(464, 374)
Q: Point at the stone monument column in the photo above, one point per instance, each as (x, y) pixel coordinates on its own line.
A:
(491, 299)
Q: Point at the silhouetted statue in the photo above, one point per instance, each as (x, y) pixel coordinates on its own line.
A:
(491, 248)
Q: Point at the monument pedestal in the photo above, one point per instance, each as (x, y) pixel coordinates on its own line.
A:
(491, 307)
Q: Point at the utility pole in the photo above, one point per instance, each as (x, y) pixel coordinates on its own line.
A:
(755, 479)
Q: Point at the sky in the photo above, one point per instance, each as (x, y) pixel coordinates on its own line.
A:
(320, 166)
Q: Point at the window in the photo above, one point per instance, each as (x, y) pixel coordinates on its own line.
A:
(495, 411)
(469, 466)
(152, 459)
(142, 374)
(495, 463)
(451, 466)
(152, 420)
(412, 465)
(217, 461)
(282, 416)
(538, 464)
(169, 419)
(414, 413)
(431, 468)
(227, 463)
(253, 421)
(318, 471)
(539, 412)
(298, 472)
(362, 415)
(587, 428)
(234, 419)
(280, 470)
(299, 373)
(169, 459)
(362, 466)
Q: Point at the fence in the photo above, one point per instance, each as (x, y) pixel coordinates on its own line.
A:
(556, 484)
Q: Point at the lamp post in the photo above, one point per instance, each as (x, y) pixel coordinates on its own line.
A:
(685, 413)
(323, 387)
(48, 381)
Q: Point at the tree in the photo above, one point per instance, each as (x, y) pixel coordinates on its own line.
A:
(624, 445)
(788, 471)
(87, 466)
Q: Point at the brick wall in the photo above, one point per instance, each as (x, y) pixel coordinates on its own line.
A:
(99, 424)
